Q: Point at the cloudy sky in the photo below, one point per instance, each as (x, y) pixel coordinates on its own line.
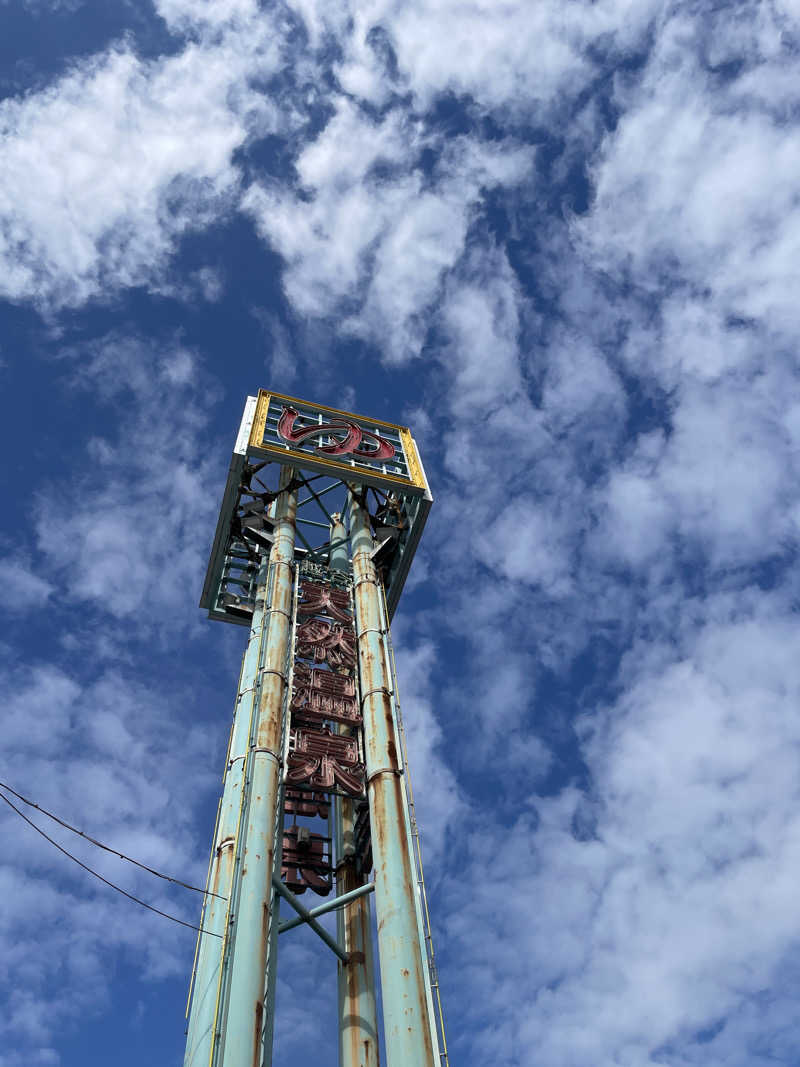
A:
(560, 241)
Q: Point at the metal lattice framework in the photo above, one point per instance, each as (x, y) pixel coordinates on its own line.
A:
(396, 497)
(321, 515)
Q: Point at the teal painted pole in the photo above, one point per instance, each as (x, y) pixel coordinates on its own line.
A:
(406, 1021)
(271, 976)
(210, 949)
(407, 817)
(358, 1015)
(242, 1020)
(339, 556)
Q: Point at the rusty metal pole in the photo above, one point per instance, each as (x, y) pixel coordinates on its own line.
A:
(242, 1019)
(406, 1021)
(211, 949)
(358, 1016)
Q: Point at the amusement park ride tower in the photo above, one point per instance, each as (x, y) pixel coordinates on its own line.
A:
(320, 518)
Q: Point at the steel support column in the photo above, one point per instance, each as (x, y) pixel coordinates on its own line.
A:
(339, 557)
(215, 911)
(358, 1016)
(407, 1026)
(241, 1042)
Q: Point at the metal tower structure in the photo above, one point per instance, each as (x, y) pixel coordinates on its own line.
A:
(320, 519)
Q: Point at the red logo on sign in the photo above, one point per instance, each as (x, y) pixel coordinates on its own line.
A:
(348, 438)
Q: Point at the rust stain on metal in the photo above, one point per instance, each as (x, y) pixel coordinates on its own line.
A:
(264, 923)
(391, 748)
(259, 1023)
(269, 720)
(357, 1050)
(220, 878)
(381, 828)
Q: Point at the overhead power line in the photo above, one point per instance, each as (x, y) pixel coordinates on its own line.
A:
(105, 881)
(107, 848)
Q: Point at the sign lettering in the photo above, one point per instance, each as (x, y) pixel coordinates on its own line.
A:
(348, 439)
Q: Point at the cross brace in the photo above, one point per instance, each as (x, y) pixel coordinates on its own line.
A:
(329, 905)
(307, 917)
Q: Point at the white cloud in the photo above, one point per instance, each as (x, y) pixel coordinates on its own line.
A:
(642, 920)
(88, 752)
(426, 239)
(581, 393)
(38, 6)
(480, 322)
(110, 731)
(103, 171)
(21, 589)
(206, 282)
(695, 188)
(528, 545)
(609, 409)
(320, 19)
(186, 15)
(482, 49)
(324, 239)
(727, 466)
(722, 478)
(369, 230)
(281, 357)
(642, 912)
(440, 805)
(133, 535)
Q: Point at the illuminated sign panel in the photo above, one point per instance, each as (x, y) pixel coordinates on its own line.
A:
(314, 437)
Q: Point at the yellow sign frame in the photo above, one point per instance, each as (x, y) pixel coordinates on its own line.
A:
(416, 480)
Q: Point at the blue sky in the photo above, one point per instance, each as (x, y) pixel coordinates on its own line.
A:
(560, 241)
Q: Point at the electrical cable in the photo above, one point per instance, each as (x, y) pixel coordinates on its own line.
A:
(119, 889)
(106, 848)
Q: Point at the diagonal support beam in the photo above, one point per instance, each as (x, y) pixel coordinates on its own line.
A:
(316, 496)
(329, 905)
(302, 910)
(305, 542)
(311, 522)
(322, 492)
